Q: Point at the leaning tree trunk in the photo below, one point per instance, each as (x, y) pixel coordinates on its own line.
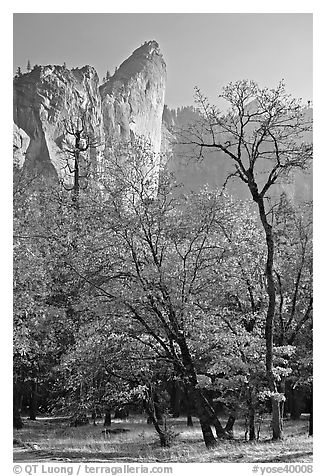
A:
(204, 410)
(209, 439)
(157, 420)
(230, 424)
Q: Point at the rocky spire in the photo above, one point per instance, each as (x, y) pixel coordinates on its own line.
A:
(133, 98)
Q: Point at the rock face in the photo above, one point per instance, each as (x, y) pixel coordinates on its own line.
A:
(43, 100)
(20, 146)
(133, 98)
(130, 103)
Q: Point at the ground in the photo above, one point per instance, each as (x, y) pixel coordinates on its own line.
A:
(51, 439)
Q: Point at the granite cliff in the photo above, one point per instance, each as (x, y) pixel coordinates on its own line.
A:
(20, 146)
(129, 103)
(43, 100)
(133, 98)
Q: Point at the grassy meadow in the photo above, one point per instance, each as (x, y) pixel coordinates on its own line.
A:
(50, 439)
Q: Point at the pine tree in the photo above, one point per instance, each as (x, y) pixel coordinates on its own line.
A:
(108, 75)
(18, 72)
(28, 66)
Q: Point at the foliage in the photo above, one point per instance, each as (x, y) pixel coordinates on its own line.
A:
(141, 284)
(265, 137)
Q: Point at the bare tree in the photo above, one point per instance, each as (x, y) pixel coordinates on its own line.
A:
(264, 136)
(79, 166)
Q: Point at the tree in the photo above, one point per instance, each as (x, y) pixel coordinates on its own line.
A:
(109, 369)
(45, 292)
(28, 67)
(18, 72)
(163, 287)
(81, 145)
(293, 269)
(263, 136)
(155, 261)
(293, 272)
(108, 75)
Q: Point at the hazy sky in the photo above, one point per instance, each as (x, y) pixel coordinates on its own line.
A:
(201, 49)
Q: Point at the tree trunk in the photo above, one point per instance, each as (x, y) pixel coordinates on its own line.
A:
(251, 416)
(282, 390)
(189, 420)
(75, 196)
(311, 418)
(33, 401)
(152, 418)
(277, 423)
(94, 417)
(161, 433)
(157, 409)
(252, 430)
(295, 404)
(175, 399)
(229, 424)
(310, 424)
(188, 408)
(204, 410)
(220, 432)
(107, 417)
(208, 436)
(17, 421)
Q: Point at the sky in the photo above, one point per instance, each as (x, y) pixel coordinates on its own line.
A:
(207, 50)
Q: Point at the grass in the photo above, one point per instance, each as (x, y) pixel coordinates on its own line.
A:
(53, 440)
